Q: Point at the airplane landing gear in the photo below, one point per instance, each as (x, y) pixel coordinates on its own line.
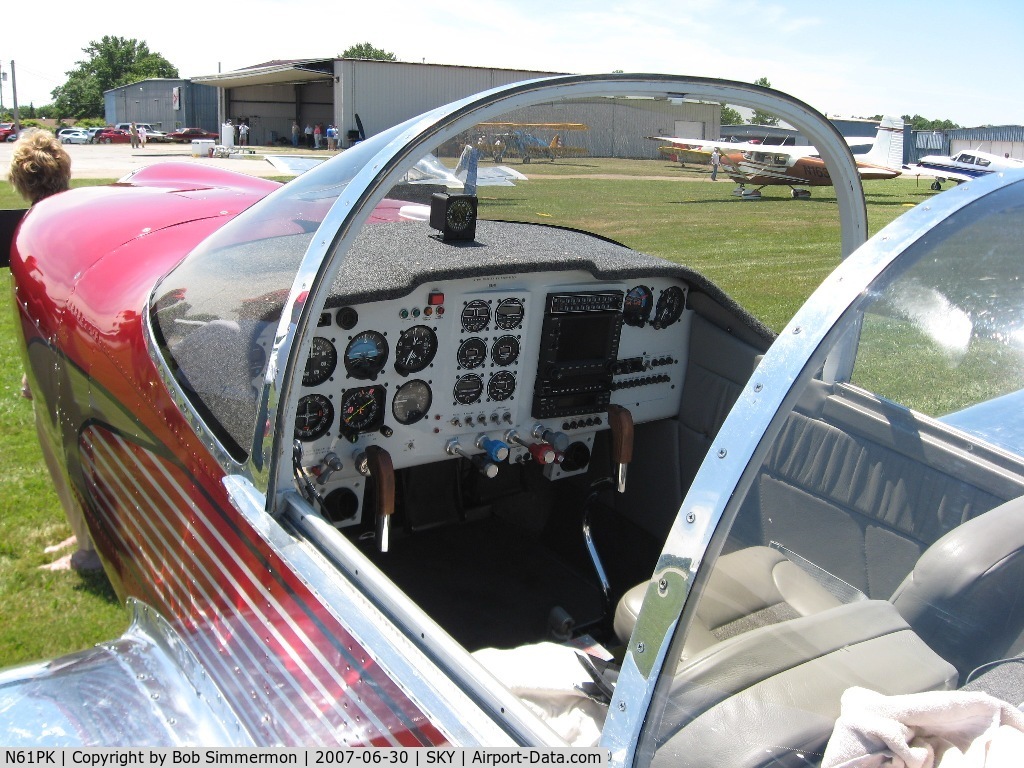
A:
(936, 186)
(800, 194)
(747, 194)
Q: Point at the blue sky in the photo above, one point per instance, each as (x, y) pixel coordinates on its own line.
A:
(935, 58)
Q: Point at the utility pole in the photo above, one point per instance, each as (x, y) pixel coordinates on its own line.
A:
(14, 92)
(3, 79)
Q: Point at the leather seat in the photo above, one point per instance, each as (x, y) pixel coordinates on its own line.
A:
(749, 588)
(962, 597)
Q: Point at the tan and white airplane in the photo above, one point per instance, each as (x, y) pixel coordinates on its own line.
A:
(762, 165)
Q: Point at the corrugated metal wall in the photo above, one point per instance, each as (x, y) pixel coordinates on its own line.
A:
(997, 139)
(386, 93)
(619, 127)
(149, 101)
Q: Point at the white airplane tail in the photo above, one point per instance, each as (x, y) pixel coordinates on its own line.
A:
(887, 150)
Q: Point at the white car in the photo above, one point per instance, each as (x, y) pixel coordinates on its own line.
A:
(78, 136)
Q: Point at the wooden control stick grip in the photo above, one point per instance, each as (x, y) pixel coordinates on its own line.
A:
(621, 422)
(382, 470)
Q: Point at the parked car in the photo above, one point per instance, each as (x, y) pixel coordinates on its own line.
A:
(73, 136)
(93, 131)
(6, 129)
(24, 131)
(188, 134)
(358, 465)
(112, 136)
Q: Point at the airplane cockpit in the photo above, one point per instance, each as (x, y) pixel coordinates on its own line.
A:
(576, 473)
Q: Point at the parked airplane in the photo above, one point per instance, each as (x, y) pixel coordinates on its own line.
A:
(352, 469)
(521, 139)
(961, 167)
(797, 167)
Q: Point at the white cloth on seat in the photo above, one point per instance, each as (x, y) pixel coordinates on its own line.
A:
(548, 677)
(936, 729)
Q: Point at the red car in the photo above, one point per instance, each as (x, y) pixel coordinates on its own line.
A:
(6, 129)
(112, 136)
(187, 134)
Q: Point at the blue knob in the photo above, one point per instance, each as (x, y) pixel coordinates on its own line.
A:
(496, 450)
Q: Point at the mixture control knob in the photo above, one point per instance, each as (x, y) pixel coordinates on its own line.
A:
(558, 440)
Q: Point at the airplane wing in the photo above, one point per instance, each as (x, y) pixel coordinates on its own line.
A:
(429, 170)
(941, 174)
(732, 147)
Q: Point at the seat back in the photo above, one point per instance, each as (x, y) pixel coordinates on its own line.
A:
(964, 596)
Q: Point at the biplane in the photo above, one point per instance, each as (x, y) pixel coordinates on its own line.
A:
(499, 139)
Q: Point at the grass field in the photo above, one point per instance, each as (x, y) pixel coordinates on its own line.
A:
(768, 255)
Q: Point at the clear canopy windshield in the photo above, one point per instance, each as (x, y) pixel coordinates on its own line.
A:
(211, 311)
(877, 549)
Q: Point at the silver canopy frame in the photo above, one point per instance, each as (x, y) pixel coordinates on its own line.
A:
(390, 155)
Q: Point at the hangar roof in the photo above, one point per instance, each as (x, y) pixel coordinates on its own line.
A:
(272, 73)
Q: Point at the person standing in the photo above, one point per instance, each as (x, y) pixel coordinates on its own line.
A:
(716, 160)
(309, 135)
(295, 133)
(41, 167)
(243, 134)
(133, 129)
(143, 136)
(318, 133)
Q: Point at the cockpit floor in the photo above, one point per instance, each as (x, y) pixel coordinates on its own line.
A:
(489, 584)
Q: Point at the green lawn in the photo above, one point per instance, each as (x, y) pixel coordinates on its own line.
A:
(769, 255)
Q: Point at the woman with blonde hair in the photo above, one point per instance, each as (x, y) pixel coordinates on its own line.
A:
(40, 166)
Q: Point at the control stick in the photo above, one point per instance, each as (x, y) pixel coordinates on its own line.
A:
(621, 422)
(375, 462)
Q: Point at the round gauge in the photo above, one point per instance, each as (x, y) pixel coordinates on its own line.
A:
(411, 402)
(475, 316)
(472, 352)
(508, 314)
(636, 309)
(320, 364)
(313, 418)
(501, 386)
(415, 349)
(361, 409)
(366, 355)
(460, 214)
(505, 350)
(670, 307)
(468, 389)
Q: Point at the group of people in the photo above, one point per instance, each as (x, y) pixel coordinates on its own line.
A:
(41, 167)
(315, 136)
(139, 135)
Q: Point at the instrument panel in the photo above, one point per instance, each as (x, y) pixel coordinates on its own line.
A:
(460, 367)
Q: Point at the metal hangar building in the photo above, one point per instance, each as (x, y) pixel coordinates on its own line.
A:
(363, 97)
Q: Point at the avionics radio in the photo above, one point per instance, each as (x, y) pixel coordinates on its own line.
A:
(579, 342)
